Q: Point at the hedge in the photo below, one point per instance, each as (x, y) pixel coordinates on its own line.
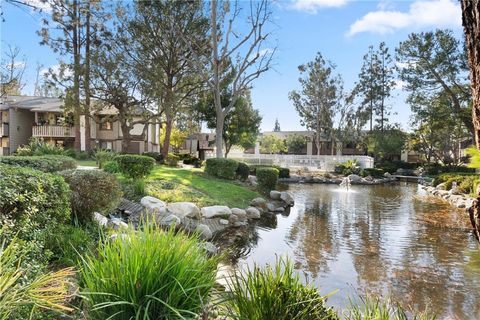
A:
(92, 190)
(282, 172)
(111, 167)
(267, 178)
(155, 155)
(50, 163)
(172, 160)
(135, 166)
(243, 170)
(222, 168)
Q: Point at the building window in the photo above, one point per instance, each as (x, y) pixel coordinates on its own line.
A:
(105, 125)
(106, 145)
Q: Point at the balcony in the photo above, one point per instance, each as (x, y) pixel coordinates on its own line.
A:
(3, 129)
(53, 131)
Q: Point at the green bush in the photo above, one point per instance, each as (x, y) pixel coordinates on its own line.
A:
(32, 204)
(152, 275)
(172, 160)
(50, 163)
(243, 170)
(111, 166)
(102, 156)
(92, 190)
(276, 293)
(155, 155)
(221, 168)
(393, 166)
(339, 168)
(135, 166)
(38, 147)
(196, 162)
(466, 183)
(282, 172)
(267, 178)
(373, 172)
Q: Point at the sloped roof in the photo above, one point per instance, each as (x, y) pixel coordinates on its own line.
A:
(32, 103)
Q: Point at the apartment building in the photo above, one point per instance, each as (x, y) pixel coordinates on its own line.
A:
(23, 117)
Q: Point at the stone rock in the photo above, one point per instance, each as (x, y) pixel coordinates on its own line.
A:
(210, 248)
(252, 213)
(279, 209)
(354, 178)
(184, 209)
(215, 212)
(253, 180)
(223, 221)
(442, 186)
(368, 178)
(287, 198)
(258, 202)
(240, 224)
(100, 219)
(171, 220)
(387, 175)
(271, 207)
(152, 203)
(234, 218)
(204, 231)
(117, 224)
(240, 213)
(275, 195)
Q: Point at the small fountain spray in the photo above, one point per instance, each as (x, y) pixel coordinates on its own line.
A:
(345, 184)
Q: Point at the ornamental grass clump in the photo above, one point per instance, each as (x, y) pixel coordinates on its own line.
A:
(275, 293)
(149, 274)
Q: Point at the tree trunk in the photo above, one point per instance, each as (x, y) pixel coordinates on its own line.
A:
(219, 135)
(86, 110)
(76, 74)
(471, 25)
(127, 138)
(216, 83)
(168, 134)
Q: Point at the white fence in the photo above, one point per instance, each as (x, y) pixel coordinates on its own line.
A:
(311, 162)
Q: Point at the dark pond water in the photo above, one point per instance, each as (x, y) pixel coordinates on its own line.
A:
(391, 240)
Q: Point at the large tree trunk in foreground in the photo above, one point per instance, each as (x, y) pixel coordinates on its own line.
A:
(168, 134)
(471, 25)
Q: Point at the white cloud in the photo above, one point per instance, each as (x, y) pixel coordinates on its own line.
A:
(436, 13)
(58, 70)
(312, 6)
(44, 6)
(265, 52)
(399, 85)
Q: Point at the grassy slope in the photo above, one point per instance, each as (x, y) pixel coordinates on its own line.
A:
(88, 163)
(175, 184)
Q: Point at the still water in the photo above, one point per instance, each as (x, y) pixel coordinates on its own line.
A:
(391, 240)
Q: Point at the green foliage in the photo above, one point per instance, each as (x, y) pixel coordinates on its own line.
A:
(296, 143)
(474, 154)
(393, 166)
(275, 293)
(243, 170)
(48, 291)
(111, 166)
(466, 183)
(149, 274)
(271, 144)
(32, 205)
(135, 166)
(102, 156)
(155, 155)
(267, 178)
(387, 144)
(351, 167)
(38, 147)
(68, 241)
(374, 308)
(50, 163)
(189, 159)
(172, 160)
(92, 190)
(282, 172)
(221, 168)
(373, 172)
(139, 187)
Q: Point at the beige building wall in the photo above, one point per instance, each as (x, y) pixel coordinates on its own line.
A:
(20, 123)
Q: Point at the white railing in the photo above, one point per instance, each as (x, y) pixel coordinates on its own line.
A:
(53, 131)
(312, 162)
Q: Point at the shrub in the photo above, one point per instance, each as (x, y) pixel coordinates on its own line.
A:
(32, 204)
(38, 147)
(135, 166)
(276, 293)
(155, 155)
(196, 162)
(350, 167)
(267, 178)
(283, 172)
(42, 163)
(172, 160)
(102, 156)
(92, 190)
(243, 170)
(374, 172)
(339, 168)
(111, 166)
(45, 291)
(152, 274)
(222, 168)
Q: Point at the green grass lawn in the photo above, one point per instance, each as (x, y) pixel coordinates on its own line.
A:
(176, 184)
(89, 163)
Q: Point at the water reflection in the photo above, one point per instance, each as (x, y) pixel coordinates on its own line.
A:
(384, 239)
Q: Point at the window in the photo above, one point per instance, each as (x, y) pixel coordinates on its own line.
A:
(105, 124)
(106, 145)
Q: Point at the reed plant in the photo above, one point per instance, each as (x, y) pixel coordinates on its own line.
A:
(148, 274)
(275, 293)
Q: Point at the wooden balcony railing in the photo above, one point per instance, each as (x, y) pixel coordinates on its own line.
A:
(3, 129)
(53, 131)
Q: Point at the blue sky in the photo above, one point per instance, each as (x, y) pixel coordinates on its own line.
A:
(341, 30)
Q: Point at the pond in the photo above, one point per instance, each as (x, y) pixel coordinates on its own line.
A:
(391, 240)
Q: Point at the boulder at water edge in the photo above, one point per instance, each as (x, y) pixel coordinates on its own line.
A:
(287, 198)
(252, 213)
(116, 224)
(184, 209)
(152, 203)
(204, 231)
(354, 178)
(171, 220)
(259, 203)
(100, 219)
(215, 212)
(275, 195)
(240, 213)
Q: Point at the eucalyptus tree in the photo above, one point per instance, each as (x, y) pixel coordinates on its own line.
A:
(276, 128)
(319, 97)
(430, 63)
(163, 57)
(12, 70)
